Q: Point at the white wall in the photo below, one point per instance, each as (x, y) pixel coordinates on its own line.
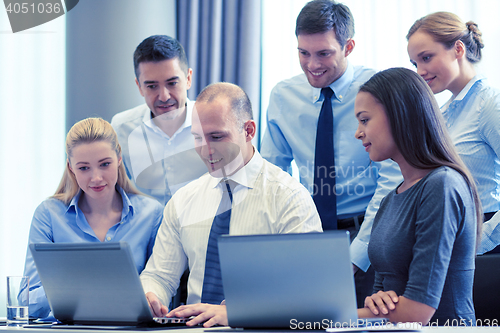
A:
(33, 103)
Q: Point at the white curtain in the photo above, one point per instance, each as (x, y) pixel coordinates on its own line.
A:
(32, 120)
(381, 27)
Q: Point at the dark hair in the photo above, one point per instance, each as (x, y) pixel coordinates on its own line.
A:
(158, 48)
(447, 28)
(320, 16)
(417, 125)
(240, 103)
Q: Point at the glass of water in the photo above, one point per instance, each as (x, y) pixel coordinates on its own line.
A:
(17, 300)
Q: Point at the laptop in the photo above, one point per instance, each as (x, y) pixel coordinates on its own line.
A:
(288, 280)
(94, 284)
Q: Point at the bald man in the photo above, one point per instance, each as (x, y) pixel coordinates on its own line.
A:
(264, 200)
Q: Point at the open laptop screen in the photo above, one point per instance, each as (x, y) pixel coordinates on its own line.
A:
(275, 281)
(91, 283)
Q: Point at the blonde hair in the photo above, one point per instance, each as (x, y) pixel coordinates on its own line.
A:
(447, 28)
(87, 131)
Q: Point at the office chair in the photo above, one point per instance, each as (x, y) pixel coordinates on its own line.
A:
(487, 288)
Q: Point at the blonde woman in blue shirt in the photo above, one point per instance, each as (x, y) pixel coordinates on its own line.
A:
(95, 202)
(444, 50)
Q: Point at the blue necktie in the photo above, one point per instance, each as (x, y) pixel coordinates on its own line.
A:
(324, 165)
(213, 293)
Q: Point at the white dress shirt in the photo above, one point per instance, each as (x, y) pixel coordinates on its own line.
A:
(266, 200)
(158, 164)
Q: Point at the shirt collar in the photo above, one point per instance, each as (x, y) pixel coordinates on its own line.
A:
(73, 204)
(339, 86)
(127, 204)
(468, 86)
(148, 120)
(247, 175)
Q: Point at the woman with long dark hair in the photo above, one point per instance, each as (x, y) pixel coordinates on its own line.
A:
(423, 240)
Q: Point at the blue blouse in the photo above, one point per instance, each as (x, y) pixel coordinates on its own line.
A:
(473, 120)
(56, 222)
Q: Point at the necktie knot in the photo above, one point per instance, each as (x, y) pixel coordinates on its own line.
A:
(327, 92)
(228, 186)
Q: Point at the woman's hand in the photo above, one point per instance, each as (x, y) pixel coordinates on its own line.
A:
(382, 302)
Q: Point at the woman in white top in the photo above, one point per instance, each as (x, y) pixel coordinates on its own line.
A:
(444, 50)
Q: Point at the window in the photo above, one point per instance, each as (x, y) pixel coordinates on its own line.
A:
(32, 126)
(380, 35)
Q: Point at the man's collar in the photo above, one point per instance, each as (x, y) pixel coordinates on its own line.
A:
(339, 86)
(147, 119)
(245, 176)
(189, 114)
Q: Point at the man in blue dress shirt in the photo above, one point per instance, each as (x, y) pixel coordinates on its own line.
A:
(324, 33)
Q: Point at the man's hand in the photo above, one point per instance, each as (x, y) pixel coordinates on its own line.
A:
(208, 314)
(383, 301)
(158, 309)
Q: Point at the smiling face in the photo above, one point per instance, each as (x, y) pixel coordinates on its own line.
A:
(164, 86)
(374, 129)
(438, 66)
(95, 166)
(322, 58)
(221, 143)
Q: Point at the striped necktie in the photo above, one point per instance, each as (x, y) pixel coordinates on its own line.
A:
(213, 292)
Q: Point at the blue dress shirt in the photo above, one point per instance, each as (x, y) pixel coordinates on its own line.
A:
(292, 119)
(473, 120)
(56, 222)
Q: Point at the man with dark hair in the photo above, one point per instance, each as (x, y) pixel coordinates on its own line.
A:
(310, 120)
(241, 194)
(157, 145)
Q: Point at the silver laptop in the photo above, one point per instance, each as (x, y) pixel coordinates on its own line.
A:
(94, 284)
(286, 280)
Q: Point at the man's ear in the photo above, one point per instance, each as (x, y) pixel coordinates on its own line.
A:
(250, 129)
(349, 46)
(189, 78)
(139, 86)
